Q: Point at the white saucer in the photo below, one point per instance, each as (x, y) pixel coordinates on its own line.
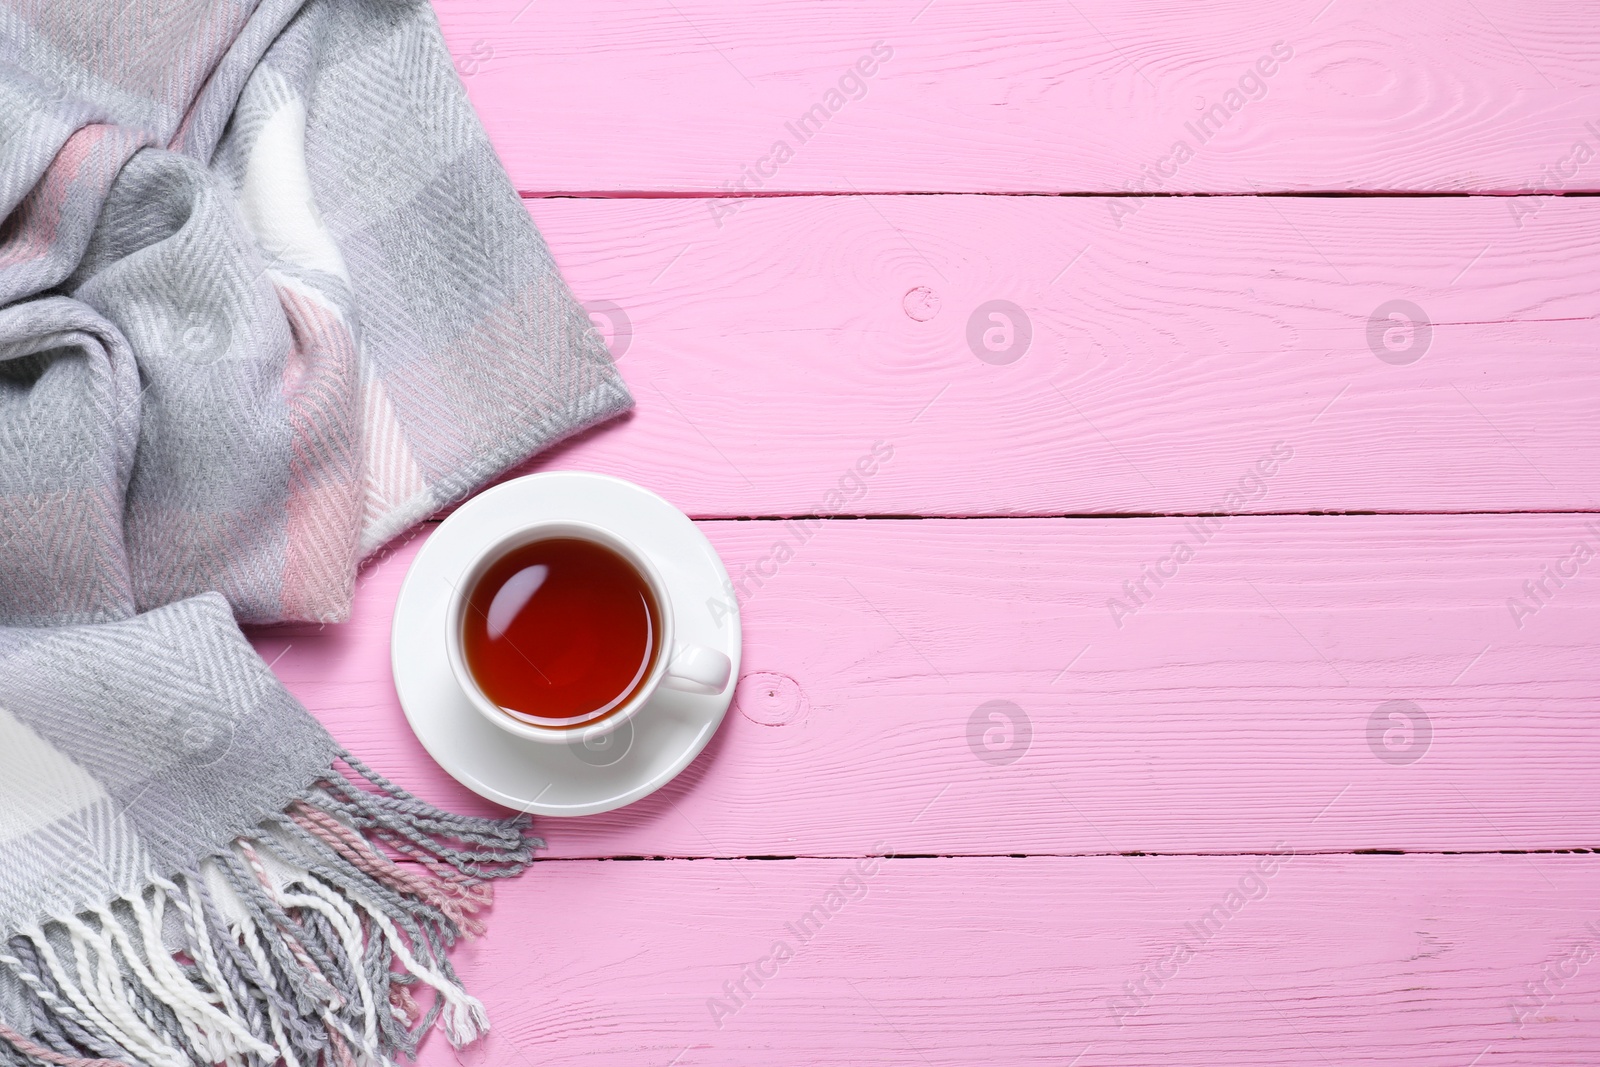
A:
(584, 778)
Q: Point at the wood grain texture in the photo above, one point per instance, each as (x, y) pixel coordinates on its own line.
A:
(1416, 960)
(679, 96)
(1233, 709)
(1167, 354)
(1006, 704)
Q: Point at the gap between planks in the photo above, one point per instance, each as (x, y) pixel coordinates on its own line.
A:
(1092, 516)
(1057, 855)
(1232, 712)
(768, 353)
(1361, 96)
(1394, 194)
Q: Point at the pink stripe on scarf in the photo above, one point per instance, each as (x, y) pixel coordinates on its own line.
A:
(325, 487)
(353, 847)
(94, 155)
(460, 882)
(39, 1052)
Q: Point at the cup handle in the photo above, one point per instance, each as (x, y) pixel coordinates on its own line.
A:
(697, 669)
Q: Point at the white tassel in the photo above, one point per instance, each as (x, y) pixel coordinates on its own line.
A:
(109, 992)
(348, 927)
(194, 1032)
(141, 1046)
(279, 876)
(463, 1019)
(163, 986)
(188, 904)
(164, 977)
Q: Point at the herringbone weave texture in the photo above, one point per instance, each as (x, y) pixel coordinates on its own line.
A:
(266, 299)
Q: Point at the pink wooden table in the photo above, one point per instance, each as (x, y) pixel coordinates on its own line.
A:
(1207, 671)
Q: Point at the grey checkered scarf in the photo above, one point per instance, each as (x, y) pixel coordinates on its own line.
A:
(266, 300)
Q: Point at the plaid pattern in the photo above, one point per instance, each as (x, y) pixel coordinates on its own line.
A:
(266, 299)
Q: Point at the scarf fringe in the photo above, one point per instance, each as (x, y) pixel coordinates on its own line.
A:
(304, 943)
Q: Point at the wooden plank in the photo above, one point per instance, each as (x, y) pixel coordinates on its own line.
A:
(1311, 960)
(1166, 356)
(966, 96)
(1247, 699)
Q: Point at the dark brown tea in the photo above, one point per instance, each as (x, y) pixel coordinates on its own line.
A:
(561, 629)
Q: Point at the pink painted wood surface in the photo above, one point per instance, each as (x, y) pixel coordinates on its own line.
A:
(1167, 355)
(1415, 960)
(681, 96)
(1245, 707)
(1225, 713)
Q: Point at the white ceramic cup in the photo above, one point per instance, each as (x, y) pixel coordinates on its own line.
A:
(678, 666)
